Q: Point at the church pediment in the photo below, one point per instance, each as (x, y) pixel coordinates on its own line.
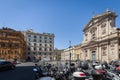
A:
(98, 18)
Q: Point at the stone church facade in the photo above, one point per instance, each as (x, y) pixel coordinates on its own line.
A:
(101, 38)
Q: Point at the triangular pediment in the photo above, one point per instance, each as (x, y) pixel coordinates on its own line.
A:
(98, 18)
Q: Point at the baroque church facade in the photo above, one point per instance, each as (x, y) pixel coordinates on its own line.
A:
(101, 38)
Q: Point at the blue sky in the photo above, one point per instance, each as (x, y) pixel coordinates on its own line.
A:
(65, 18)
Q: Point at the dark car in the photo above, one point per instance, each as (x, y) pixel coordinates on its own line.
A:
(6, 65)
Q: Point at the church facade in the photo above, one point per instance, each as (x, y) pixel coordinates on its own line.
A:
(101, 38)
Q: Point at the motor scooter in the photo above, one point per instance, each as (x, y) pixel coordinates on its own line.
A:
(36, 74)
(111, 75)
(98, 73)
(81, 74)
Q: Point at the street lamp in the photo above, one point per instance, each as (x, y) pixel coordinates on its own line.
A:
(69, 53)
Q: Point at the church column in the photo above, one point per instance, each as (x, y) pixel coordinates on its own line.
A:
(98, 54)
(108, 51)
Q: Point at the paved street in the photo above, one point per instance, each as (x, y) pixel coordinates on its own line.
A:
(21, 72)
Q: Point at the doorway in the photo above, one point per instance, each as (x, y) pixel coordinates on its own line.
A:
(93, 55)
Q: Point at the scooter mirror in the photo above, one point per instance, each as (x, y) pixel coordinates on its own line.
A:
(78, 69)
(34, 69)
(103, 66)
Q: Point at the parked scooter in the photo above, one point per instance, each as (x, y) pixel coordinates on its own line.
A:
(83, 72)
(37, 71)
(104, 72)
(98, 73)
(112, 74)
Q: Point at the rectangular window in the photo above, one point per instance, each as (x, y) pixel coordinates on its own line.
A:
(45, 41)
(50, 38)
(29, 39)
(35, 36)
(45, 49)
(3, 45)
(50, 45)
(35, 40)
(34, 48)
(40, 40)
(40, 49)
(28, 48)
(50, 49)
(45, 37)
(35, 44)
(39, 53)
(45, 45)
(16, 45)
(9, 51)
(40, 44)
(29, 35)
(9, 45)
(29, 44)
(34, 53)
(28, 53)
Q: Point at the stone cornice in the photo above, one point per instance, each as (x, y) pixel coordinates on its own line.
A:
(91, 43)
(42, 34)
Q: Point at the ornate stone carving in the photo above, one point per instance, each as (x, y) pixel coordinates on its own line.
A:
(104, 51)
(103, 28)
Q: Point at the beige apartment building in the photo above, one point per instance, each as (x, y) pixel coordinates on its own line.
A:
(101, 38)
(57, 54)
(68, 54)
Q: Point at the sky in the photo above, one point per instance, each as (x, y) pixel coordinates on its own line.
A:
(65, 18)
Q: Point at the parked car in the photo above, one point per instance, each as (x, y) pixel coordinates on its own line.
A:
(6, 65)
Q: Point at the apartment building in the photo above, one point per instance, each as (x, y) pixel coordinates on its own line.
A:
(12, 44)
(78, 52)
(40, 46)
(68, 54)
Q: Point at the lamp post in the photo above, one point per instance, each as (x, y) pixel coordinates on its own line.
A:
(69, 53)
